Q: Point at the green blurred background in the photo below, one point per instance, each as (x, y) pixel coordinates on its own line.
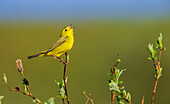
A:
(98, 40)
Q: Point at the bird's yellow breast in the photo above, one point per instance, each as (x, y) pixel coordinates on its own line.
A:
(66, 46)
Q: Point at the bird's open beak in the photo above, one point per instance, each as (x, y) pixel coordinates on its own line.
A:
(72, 27)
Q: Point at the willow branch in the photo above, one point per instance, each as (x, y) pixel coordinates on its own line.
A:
(28, 94)
(88, 98)
(143, 99)
(112, 70)
(125, 96)
(25, 82)
(61, 60)
(156, 73)
(64, 77)
(63, 100)
(112, 96)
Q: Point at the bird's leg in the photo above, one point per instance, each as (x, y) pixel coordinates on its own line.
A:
(60, 59)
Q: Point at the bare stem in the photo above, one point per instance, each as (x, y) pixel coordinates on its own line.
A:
(28, 94)
(160, 53)
(21, 69)
(61, 60)
(64, 77)
(88, 98)
(27, 87)
(112, 97)
(154, 91)
(63, 101)
(143, 99)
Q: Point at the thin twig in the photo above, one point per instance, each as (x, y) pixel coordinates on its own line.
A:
(112, 96)
(27, 86)
(125, 96)
(154, 64)
(160, 55)
(156, 72)
(116, 62)
(154, 91)
(113, 71)
(88, 98)
(61, 60)
(28, 90)
(28, 94)
(63, 100)
(21, 69)
(143, 99)
(64, 77)
(156, 80)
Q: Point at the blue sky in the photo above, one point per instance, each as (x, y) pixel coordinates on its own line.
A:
(65, 9)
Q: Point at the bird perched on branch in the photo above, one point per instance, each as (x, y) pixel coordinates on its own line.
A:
(64, 44)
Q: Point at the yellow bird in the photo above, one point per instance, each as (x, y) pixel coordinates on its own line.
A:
(64, 44)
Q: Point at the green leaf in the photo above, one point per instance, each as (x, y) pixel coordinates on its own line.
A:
(112, 77)
(62, 88)
(1, 97)
(116, 72)
(120, 82)
(150, 47)
(164, 48)
(119, 99)
(159, 42)
(149, 58)
(118, 60)
(129, 96)
(58, 84)
(121, 72)
(121, 102)
(66, 79)
(113, 86)
(62, 92)
(25, 89)
(36, 102)
(4, 78)
(62, 84)
(50, 101)
(155, 57)
(160, 72)
(124, 92)
(68, 58)
(151, 50)
(122, 88)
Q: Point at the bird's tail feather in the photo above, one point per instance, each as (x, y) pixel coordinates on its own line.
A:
(37, 55)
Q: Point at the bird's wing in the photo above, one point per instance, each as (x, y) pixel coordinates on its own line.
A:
(58, 43)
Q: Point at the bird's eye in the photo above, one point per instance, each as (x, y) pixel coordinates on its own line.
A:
(65, 29)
